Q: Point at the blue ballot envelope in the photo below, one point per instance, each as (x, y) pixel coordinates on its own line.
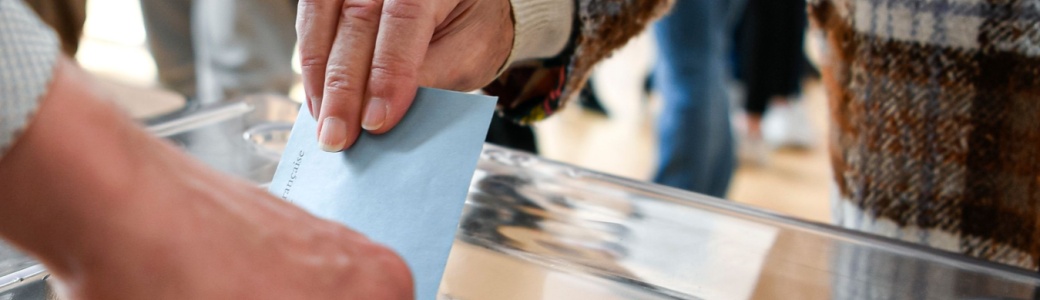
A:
(404, 189)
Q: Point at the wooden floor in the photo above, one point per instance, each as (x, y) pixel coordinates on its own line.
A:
(795, 183)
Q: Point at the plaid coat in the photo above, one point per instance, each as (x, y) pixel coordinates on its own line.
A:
(529, 93)
(935, 107)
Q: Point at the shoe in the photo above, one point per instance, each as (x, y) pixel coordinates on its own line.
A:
(590, 101)
(788, 126)
(753, 151)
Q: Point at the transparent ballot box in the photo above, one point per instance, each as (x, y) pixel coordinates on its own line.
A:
(538, 229)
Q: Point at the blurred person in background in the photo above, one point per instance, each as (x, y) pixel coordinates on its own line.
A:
(66, 17)
(936, 138)
(772, 61)
(211, 51)
(696, 139)
(204, 50)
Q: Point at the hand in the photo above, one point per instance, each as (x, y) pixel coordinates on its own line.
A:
(115, 213)
(363, 60)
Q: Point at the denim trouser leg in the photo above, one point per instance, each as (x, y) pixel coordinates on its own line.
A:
(218, 49)
(696, 141)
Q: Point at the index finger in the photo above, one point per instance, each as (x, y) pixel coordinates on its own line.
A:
(316, 22)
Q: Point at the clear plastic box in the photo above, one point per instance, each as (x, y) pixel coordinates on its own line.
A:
(538, 229)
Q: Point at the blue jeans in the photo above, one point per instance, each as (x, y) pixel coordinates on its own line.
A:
(696, 141)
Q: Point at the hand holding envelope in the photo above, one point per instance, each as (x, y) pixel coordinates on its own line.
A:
(404, 189)
(362, 60)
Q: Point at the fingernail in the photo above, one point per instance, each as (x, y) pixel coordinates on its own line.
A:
(313, 103)
(333, 135)
(375, 114)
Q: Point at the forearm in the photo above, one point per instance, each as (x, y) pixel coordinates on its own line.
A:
(68, 175)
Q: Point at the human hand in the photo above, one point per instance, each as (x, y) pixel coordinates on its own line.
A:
(363, 60)
(221, 239)
(115, 213)
(231, 240)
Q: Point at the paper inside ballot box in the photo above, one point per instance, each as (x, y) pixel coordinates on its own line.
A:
(404, 189)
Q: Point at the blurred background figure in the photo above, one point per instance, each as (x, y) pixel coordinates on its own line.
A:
(696, 141)
(504, 132)
(211, 51)
(772, 63)
(67, 17)
(180, 33)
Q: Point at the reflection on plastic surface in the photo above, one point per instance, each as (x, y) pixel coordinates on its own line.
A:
(536, 229)
(240, 138)
(675, 244)
(565, 216)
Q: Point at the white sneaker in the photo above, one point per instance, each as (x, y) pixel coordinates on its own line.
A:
(753, 151)
(788, 125)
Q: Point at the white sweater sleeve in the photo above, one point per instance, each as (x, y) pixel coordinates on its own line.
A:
(28, 51)
(542, 28)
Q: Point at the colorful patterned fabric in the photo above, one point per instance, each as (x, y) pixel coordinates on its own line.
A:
(936, 113)
(529, 93)
(28, 52)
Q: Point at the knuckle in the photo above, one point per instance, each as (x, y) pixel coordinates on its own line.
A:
(384, 79)
(309, 61)
(390, 67)
(363, 10)
(338, 253)
(337, 81)
(404, 9)
(338, 259)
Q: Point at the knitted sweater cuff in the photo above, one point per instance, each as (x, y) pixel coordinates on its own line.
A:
(542, 29)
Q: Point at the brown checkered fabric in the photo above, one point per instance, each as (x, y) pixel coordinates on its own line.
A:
(531, 93)
(936, 122)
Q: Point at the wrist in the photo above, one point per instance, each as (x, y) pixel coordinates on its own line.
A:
(542, 29)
